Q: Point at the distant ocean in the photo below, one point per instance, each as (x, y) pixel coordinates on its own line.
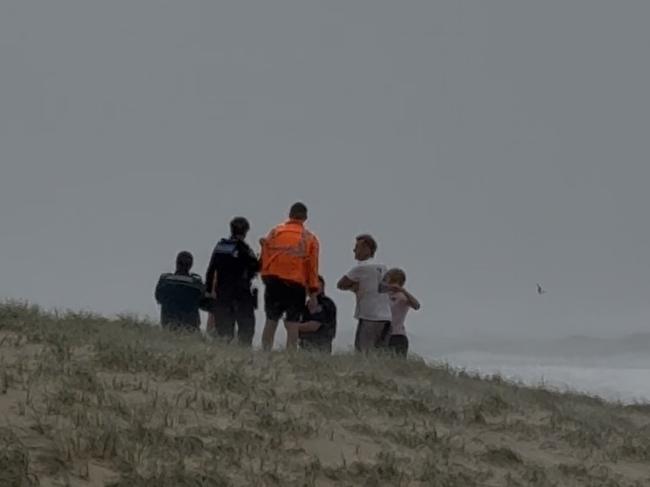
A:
(624, 378)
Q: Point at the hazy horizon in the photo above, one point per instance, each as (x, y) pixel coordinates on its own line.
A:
(488, 146)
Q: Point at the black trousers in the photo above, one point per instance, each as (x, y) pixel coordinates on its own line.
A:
(399, 345)
(235, 313)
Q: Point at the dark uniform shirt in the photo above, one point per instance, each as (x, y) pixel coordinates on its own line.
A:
(235, 265)
(180, 296)
(326, 316)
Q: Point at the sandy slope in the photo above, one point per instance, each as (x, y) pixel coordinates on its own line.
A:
(88, 402)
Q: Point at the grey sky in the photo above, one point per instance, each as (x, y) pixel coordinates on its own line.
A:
(487, 145)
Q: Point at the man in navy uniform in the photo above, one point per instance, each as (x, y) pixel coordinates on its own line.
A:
(180, 295)
(229, 277)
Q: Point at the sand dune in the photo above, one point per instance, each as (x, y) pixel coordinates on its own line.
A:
(87, 401)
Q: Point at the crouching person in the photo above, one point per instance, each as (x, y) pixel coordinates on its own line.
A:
(180, 295)
(318, 328)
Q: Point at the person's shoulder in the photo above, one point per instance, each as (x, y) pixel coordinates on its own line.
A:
(310, 234)
(225, 242)
(364, 267)
(196, 278)
(275, 231)
(165, 276)
(382, 269)
(244, 246)
(225, 246)
(355, 269)
(280, 227)
(327, 301)
(245, 251)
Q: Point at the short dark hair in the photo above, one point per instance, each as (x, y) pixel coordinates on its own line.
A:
(239, 226)
(184, 261)
(321, 280)
(370, 241)
(298, 211)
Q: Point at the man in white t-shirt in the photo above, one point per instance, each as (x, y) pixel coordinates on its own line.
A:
(373, 303)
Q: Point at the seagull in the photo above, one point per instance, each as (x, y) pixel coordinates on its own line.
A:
(540, 291)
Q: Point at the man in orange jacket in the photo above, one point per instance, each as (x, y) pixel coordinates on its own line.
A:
(290, 272)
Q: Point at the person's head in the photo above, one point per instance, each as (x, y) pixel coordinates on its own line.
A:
(184, 262)
(321, 281)
(298, 211)
(239, 227)
(365, 248)
(396, 277)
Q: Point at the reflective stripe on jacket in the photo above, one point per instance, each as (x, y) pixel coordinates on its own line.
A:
(290, 252)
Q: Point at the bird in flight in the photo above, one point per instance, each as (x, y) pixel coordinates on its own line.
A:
(540, 291)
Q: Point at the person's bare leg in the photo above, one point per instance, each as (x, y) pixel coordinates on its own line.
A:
(293, 333)
(268, 335)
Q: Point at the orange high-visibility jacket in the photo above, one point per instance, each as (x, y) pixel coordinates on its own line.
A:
(290, 252)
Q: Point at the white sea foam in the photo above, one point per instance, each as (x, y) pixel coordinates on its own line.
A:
(623, 378)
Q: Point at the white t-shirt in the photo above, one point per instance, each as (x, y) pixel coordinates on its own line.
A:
(371, 304)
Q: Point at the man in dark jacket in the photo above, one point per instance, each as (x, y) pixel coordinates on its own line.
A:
(180, 294)
(318, 329)
(232, 268)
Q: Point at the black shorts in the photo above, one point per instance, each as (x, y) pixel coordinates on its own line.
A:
(284, 298)
(399, 345)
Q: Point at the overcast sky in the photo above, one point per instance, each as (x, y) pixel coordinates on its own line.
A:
(488, 146)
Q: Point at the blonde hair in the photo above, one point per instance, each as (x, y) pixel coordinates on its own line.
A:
(396, 274)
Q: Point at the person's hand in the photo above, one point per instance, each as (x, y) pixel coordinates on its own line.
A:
(262, 242)
(355, 287)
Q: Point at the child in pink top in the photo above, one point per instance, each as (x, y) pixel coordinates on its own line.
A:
(401, 301)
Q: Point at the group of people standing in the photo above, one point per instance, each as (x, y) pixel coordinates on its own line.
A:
(294, 291)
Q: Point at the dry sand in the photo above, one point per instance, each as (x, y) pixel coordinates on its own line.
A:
(86, 401)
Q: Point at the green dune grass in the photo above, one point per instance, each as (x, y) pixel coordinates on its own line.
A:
(90, 401)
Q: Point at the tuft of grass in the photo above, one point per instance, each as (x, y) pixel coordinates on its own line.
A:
(14, 461)
(502, 456)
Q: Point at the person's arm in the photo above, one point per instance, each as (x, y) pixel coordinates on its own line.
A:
(310, 326)
(204, 301)
(312, 266)
(345, 284)
(349, 282)
(411, 300)
(253, 263)
(211, 274)
(213, 287)
(263, 251)
(313, 283)
(158, 294)
(198, 284)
